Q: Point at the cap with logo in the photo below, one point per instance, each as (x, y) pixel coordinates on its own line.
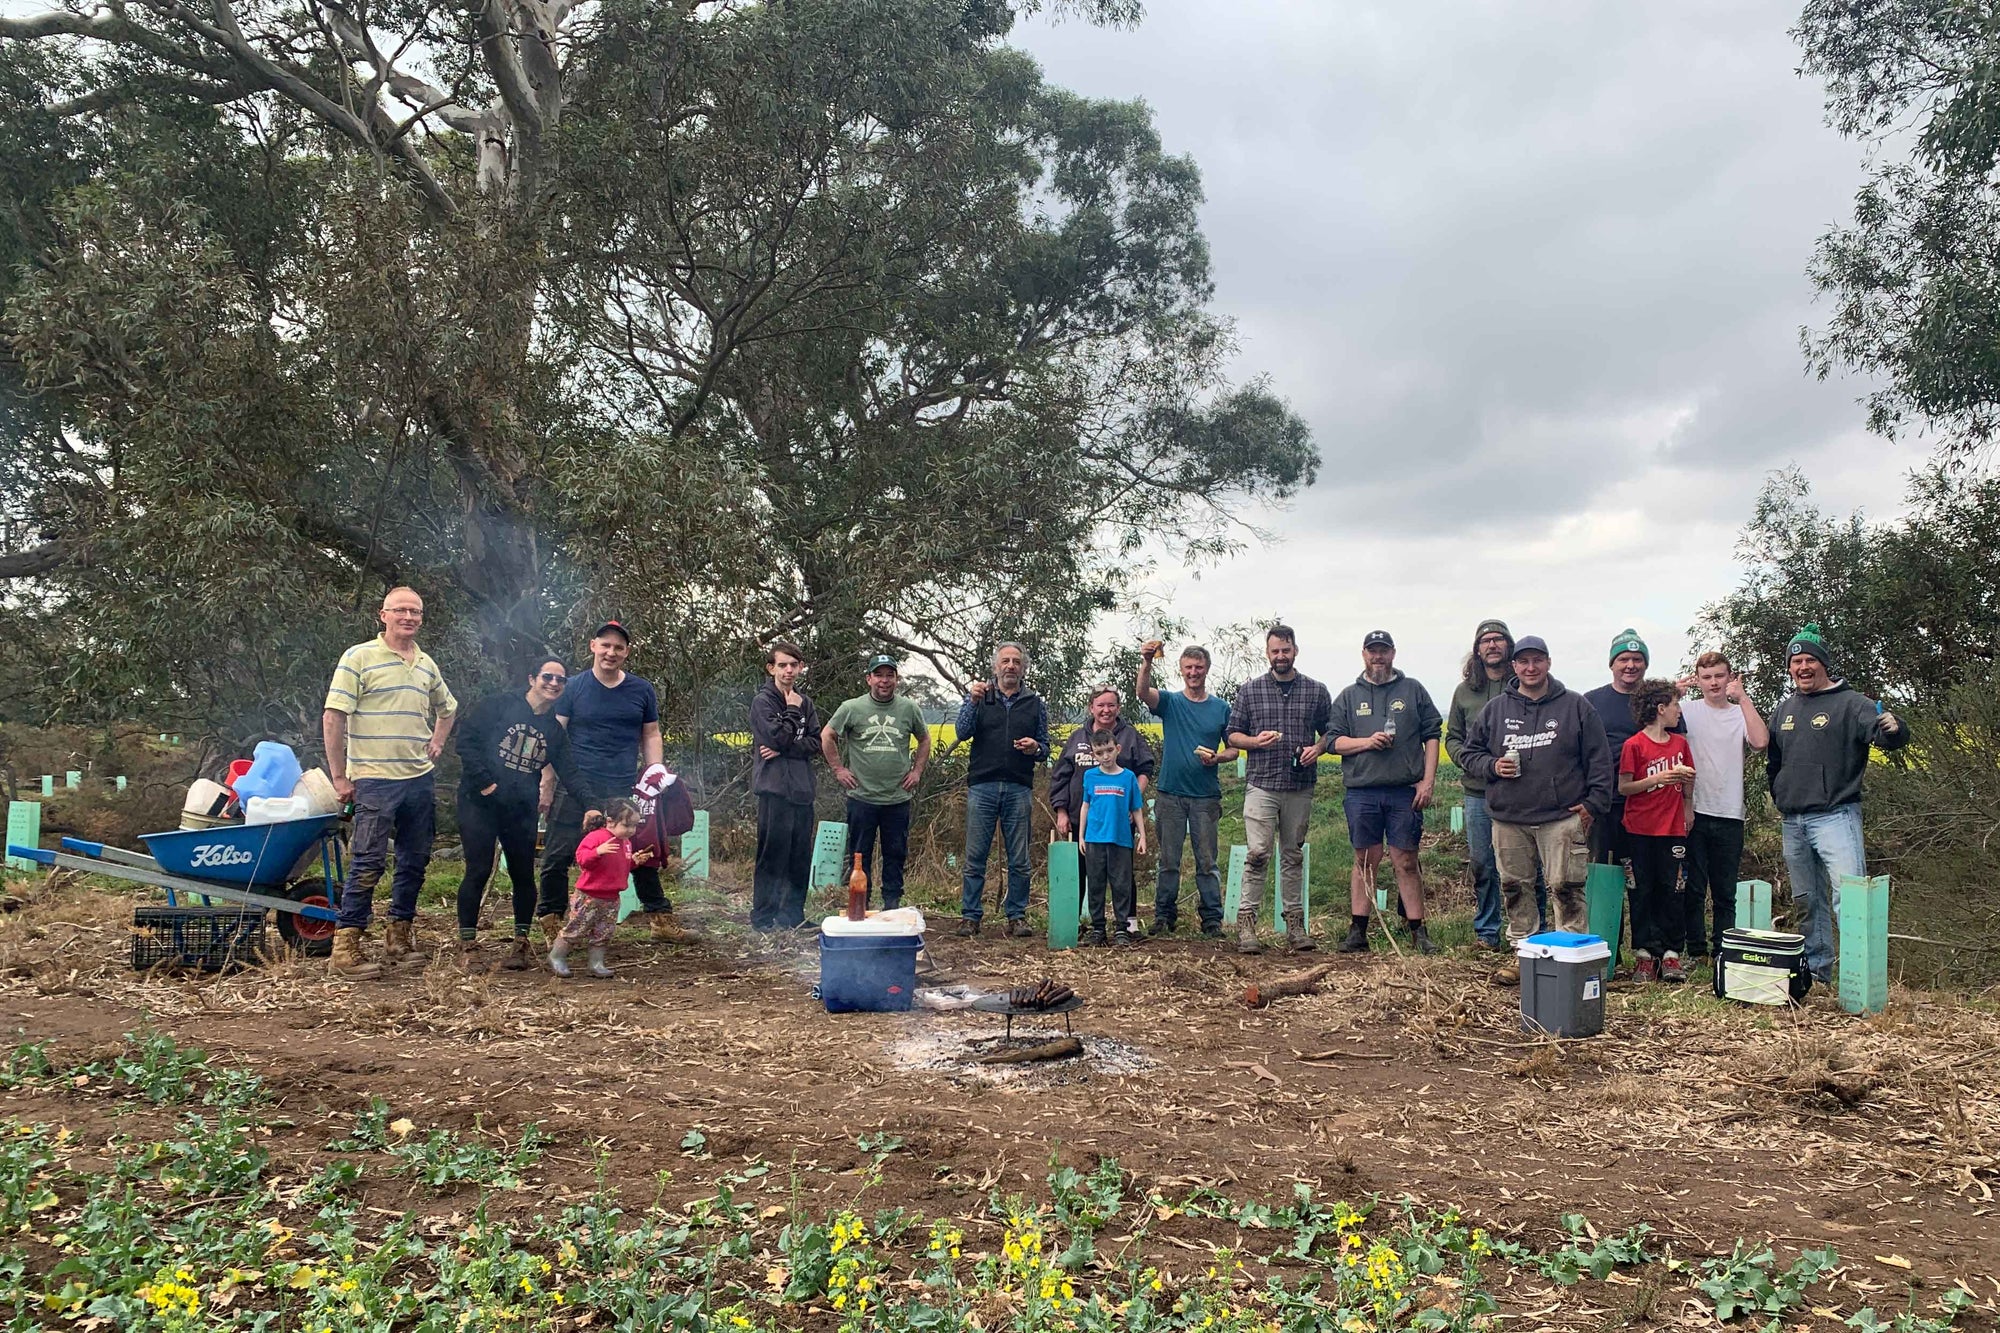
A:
(1628, 641)
(1809, 642)
(1531, 643)
(880, 660)
(1378, 638)
(612, 626)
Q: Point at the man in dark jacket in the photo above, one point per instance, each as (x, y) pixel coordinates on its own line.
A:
(1548, 771)
(784, 734)
(1613, 701)
(1820, 738)
(1007, 726)
(1488, 668)
(1385, 730)
(504, 743)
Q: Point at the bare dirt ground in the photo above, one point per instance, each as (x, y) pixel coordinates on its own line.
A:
(1401, 1077)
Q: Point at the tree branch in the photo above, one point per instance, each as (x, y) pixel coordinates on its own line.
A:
(43, 559)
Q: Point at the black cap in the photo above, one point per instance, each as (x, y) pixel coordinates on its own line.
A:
(1530, 644)
(623, 633)
(1378, 638)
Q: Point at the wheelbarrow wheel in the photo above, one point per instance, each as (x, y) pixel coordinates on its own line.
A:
(311, 937)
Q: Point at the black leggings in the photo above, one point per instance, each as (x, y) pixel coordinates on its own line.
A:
(484, 823)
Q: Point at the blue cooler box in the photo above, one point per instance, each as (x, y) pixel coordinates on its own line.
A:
(1562, 983)
(870, 966)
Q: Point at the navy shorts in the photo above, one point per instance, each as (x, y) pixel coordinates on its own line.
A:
(1376, 815)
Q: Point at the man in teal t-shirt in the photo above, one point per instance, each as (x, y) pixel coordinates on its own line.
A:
(1189, 801)
(867, 745)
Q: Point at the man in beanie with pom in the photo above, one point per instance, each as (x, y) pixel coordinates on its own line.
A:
(1629, 659)
(1820, 738)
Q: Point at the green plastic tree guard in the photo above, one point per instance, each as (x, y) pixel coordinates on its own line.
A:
(72, 779)
(1753, 904)
(829, 850)
(1864, 944)
(1604, 907)
(1306, 884)
(24, 829)
(694, 848)
(1232, 897)
(1065, 895)
(1458, 819)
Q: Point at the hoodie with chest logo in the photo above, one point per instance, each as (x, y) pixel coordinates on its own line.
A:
(1819, 749)
(1559, 740)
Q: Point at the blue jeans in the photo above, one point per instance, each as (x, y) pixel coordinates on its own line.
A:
(402, 808)
(1183, 820)
(1488, 922)
(1007, 805)
(1819, 849)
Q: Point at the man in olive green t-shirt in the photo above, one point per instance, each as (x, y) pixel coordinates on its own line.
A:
(867, 745)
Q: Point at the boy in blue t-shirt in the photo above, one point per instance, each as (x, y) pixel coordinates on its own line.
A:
(1114, 818)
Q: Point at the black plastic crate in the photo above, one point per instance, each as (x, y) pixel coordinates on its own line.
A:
(213, 939)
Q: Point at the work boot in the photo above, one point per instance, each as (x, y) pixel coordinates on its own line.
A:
(1357, 936)
(399, 947)
(661, 928)
(1297, 938)
(559, 958)
(1507, 974)
(551, 926)
(597, 967)
(472, 958)
(1017, 928)
(967, 928)
(1163, 925)
(1420, 936)
(350, 962)
(517, 959)
(1246, 932)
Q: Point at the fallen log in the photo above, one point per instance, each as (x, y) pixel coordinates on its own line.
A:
(1048, 1050)
(1261, 993)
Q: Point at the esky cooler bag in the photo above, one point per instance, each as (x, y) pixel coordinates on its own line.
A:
(1762, 967)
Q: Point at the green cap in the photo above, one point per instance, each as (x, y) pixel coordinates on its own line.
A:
(1808, 641)
(882, 660)
(1628, 641)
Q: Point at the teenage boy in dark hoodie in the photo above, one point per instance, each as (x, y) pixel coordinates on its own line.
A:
(1548, 771)
(784, 734)
(1820, 737)
(1385, 730)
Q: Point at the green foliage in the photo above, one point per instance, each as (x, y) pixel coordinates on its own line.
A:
(442, 1159)
(1746, 1283)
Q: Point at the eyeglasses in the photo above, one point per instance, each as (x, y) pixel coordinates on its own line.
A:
(553, 677)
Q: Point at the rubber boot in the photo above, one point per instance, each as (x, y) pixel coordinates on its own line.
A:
(517, 959)
(551, 926)
(661, 928)
(597, 967)
(559, 958)
(1246, 931)
(1296, 936)
(399, 947)
(1420, 936)
(349, 961)
(1357, 936)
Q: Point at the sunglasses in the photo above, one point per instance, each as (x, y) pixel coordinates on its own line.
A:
(553, 677)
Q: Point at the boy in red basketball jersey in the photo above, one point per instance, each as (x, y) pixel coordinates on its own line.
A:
(1656, 778)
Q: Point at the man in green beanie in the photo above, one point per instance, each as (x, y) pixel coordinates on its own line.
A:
(1629, 660)
(1820, 738)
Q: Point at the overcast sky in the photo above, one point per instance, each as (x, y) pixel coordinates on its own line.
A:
(1534, 274)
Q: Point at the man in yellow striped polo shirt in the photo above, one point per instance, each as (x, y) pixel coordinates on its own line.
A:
(386, 719)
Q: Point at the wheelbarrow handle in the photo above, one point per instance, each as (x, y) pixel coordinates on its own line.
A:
(82, 847)
(34, 854)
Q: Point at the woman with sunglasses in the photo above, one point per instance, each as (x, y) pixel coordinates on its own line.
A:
(504, 743)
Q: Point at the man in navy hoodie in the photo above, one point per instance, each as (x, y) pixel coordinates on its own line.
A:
(1549, 772)
(1820, 738)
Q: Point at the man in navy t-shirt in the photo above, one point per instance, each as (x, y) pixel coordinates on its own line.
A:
(613, 721)
(1189, 804)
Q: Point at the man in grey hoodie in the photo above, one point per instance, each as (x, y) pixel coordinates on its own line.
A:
(1820, 737)
(1385, 730)
(1549, 771)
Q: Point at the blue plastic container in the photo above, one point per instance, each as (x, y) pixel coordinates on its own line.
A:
(274, 771)
(255, 854)
(867, 973)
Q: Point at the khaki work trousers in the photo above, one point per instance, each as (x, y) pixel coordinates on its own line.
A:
(1560, 851)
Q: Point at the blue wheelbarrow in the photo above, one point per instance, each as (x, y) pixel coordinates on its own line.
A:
(234, 863)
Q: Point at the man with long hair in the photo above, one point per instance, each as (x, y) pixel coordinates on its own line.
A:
(1488, 668)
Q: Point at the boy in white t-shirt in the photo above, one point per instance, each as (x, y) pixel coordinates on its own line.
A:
(1720, 722)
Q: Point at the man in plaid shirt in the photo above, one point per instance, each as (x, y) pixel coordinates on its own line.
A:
(1281, 718)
